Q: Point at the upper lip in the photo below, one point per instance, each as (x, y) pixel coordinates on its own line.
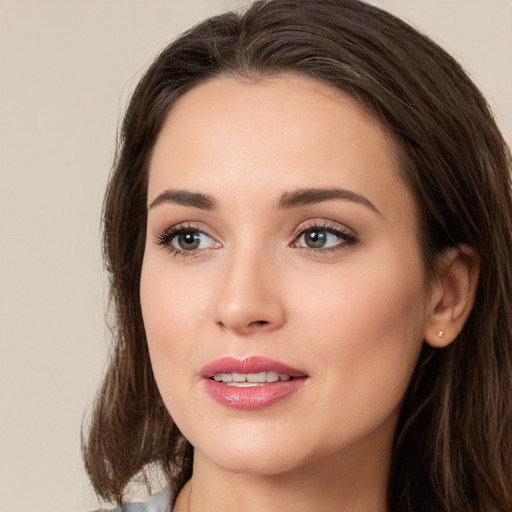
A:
(251, 364)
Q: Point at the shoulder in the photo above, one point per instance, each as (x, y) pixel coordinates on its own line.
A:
(159, 502)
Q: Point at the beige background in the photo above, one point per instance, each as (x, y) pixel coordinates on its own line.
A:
(66, 70)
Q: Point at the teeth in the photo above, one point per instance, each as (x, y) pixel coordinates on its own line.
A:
(257, 377)
(274, 376)
(250, 379)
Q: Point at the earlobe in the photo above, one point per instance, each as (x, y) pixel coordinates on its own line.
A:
(453, 294)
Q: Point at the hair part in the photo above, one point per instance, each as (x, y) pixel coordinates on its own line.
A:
(452, 449)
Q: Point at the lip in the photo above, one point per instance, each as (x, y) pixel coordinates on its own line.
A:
(251, 398)
(251, 364)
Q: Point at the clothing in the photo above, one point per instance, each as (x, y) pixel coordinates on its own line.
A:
(159, 502)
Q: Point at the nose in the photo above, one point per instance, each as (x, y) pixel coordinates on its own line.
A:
(250, 298)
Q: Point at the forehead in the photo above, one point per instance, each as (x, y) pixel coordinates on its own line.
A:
(273, 136)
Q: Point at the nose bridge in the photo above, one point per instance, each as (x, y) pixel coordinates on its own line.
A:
(249, 299)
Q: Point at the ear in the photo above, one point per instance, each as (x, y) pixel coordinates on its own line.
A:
(453, 294)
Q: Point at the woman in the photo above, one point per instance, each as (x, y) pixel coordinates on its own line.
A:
(308, 230)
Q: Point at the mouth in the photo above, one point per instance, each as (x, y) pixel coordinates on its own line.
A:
(251, 383)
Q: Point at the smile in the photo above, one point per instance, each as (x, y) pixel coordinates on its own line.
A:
(251, 383)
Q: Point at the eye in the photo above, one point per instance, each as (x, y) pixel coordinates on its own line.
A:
(185, 240)
(318, 238)
(326, 236)
(191, 240)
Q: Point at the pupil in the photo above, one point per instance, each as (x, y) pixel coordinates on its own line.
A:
(189, 240)
(316, 239)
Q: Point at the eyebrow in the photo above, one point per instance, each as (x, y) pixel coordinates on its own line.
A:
(317, 195)
(185, 198)
(288, 200)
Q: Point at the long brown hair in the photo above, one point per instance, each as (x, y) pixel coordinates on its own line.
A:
(453, 444)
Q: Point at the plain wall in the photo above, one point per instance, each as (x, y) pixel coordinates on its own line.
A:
(66, 70)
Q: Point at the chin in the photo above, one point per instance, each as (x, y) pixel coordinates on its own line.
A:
(264, 464)
(250, 453)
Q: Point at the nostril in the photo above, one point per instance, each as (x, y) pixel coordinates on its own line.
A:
(256, 323)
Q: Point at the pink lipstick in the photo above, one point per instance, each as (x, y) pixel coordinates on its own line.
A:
(250, 383)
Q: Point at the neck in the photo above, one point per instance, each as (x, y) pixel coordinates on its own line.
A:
(327, 485)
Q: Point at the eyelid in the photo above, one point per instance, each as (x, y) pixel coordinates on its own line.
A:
(325, 224)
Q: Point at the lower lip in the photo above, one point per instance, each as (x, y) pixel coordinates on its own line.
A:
(253, 398)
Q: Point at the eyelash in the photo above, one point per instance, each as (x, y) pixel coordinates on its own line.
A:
(347, 238)
(165, 239)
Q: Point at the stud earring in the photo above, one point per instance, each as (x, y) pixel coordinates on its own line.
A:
(440, 334)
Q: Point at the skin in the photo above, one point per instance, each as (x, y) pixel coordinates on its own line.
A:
(354, 317)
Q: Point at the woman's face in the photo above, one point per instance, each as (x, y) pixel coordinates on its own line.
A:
(282, 289)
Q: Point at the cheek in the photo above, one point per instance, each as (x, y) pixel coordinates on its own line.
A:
(377, 310)
(368, 332)
(171, 304)
(170, 311)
